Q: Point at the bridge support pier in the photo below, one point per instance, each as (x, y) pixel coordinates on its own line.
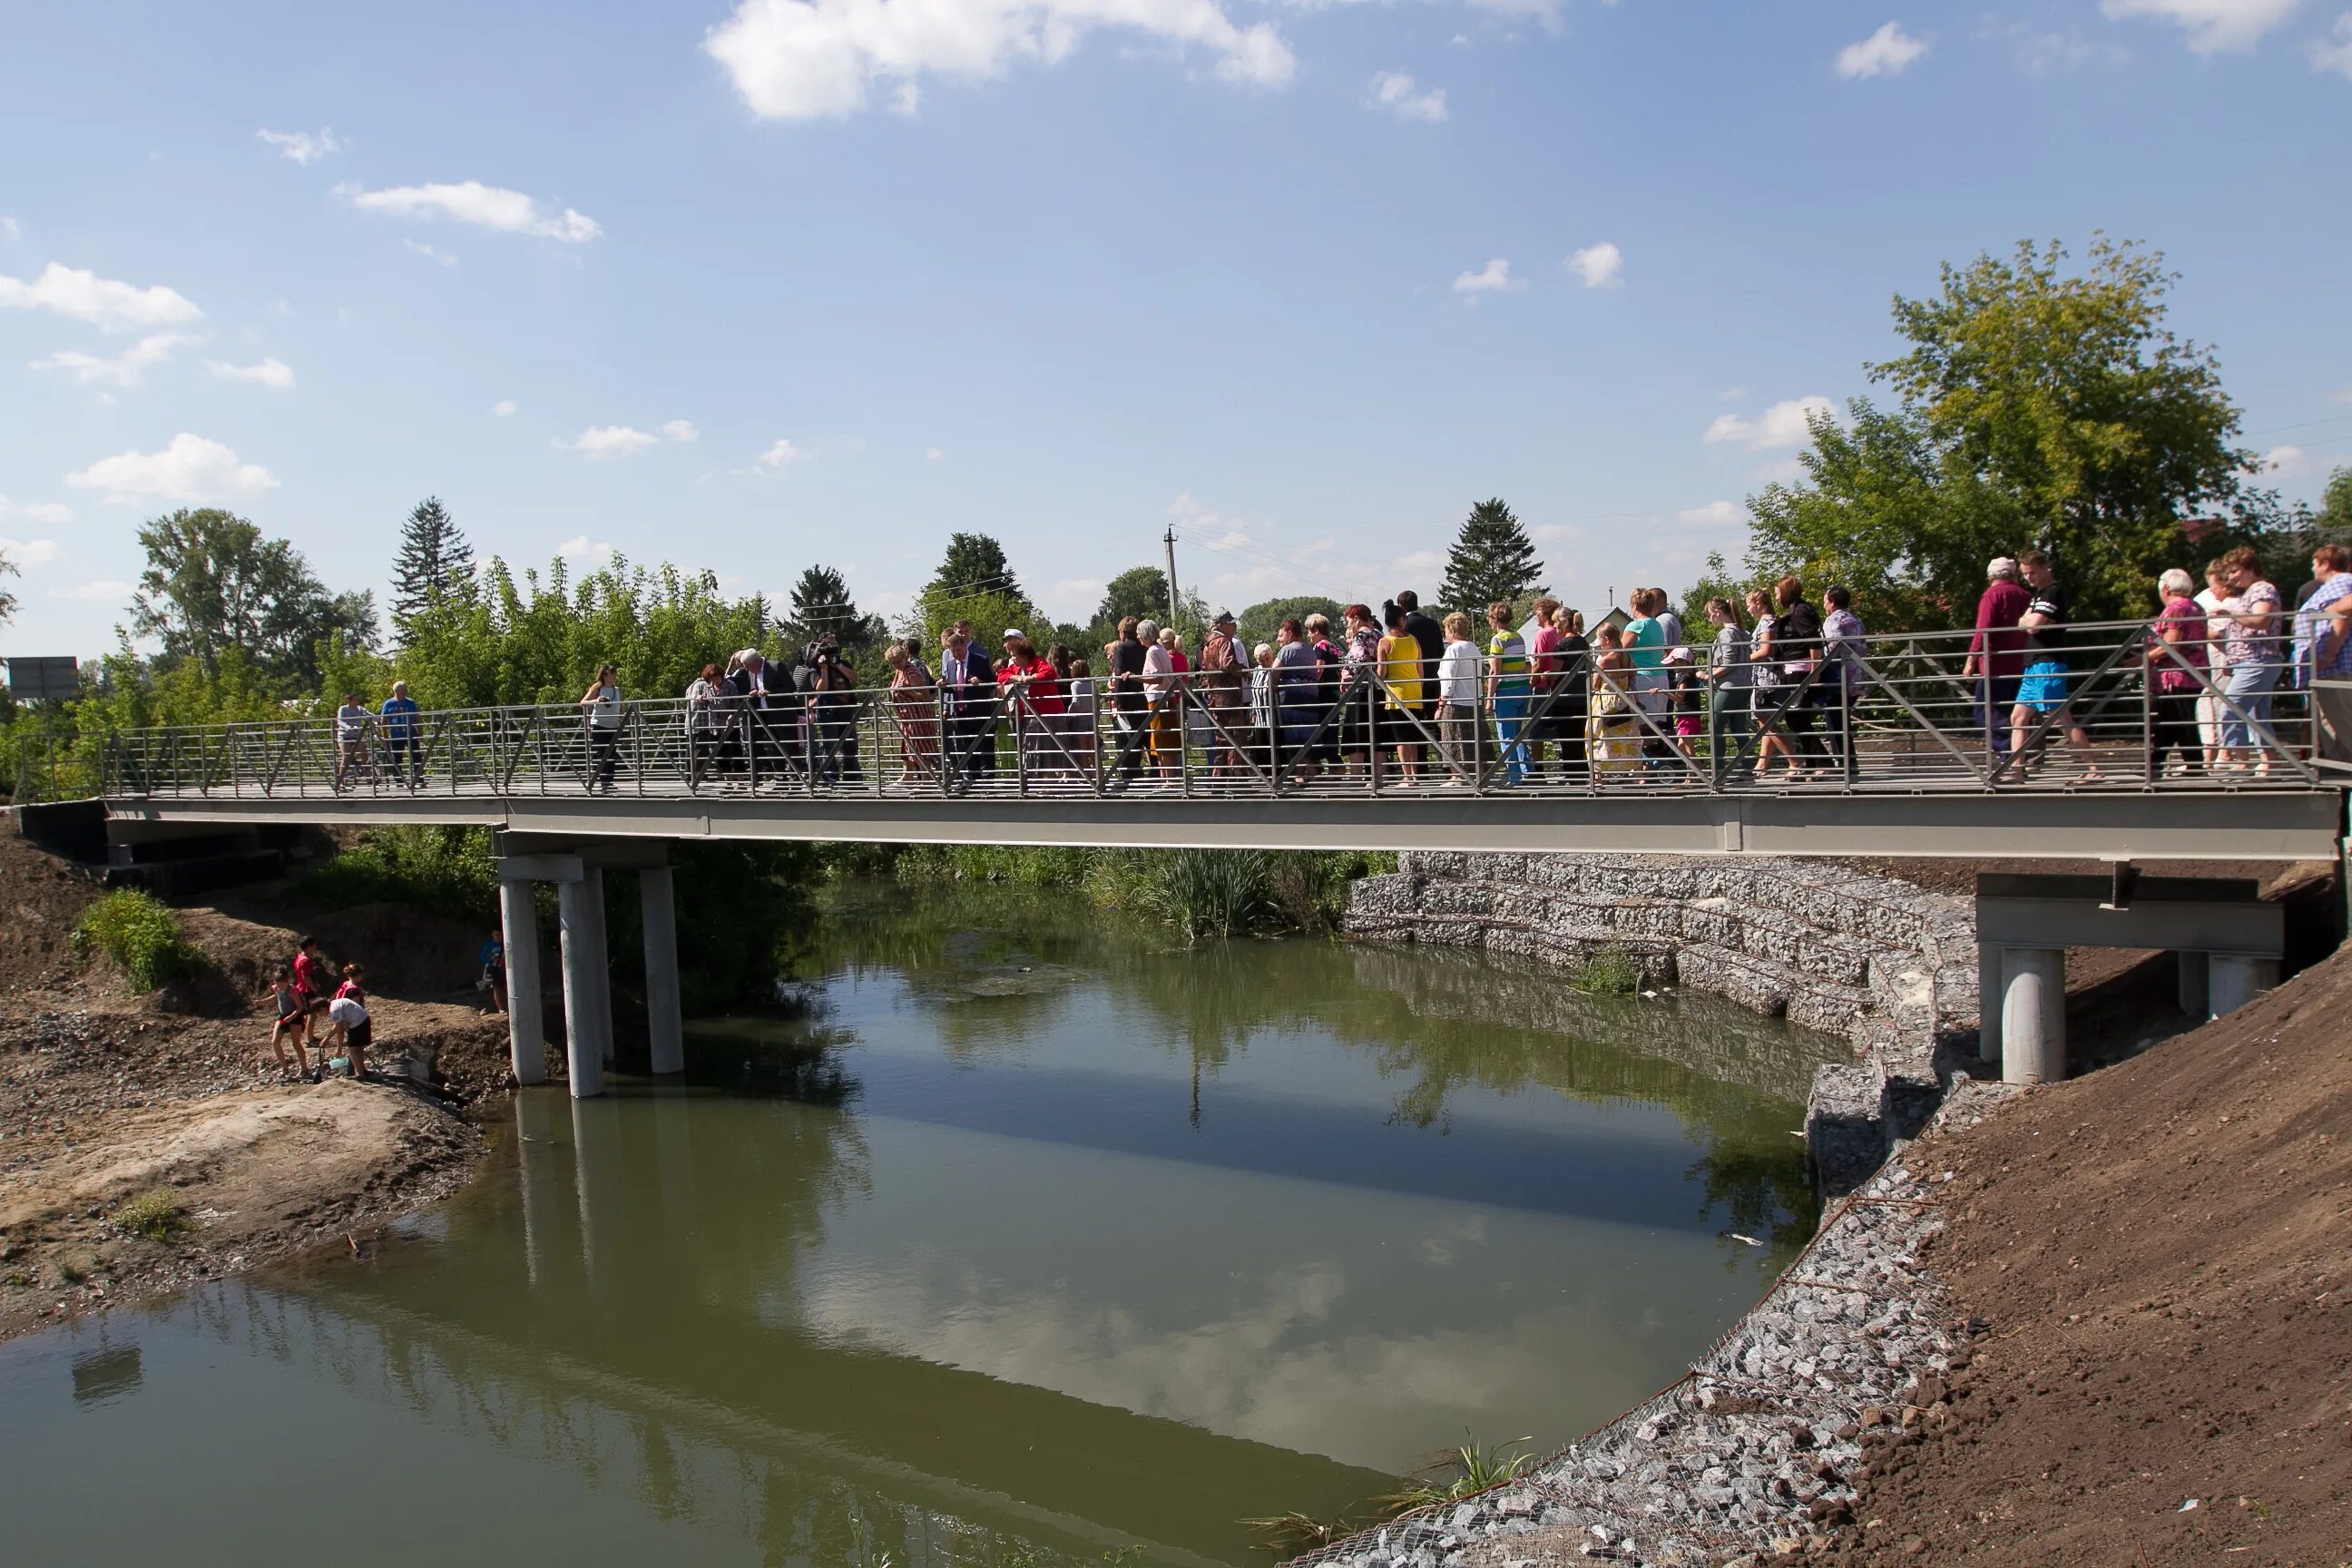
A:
(665, 1027)
(526, 1026)
(587, 982)
(1988, 1004)
(2195, 998)
(2032, 1015)
(2236, 979)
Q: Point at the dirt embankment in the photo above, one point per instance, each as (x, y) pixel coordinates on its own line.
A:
(107, 1096)
(2163, 1253)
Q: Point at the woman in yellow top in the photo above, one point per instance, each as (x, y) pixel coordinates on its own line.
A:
(1400, 673)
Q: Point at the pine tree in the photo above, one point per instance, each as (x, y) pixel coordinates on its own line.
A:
(821, 604)
(434, 563)
(1493, 559)
(975, 566)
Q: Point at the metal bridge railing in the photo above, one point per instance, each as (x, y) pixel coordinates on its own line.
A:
(1910, 712)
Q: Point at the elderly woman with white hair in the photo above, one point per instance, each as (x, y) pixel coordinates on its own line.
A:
(2176, 675)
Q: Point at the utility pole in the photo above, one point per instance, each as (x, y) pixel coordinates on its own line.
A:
(1171, 541)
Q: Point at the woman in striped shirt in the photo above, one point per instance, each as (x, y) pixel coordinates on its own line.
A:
(1509, 686)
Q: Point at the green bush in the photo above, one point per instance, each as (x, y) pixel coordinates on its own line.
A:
(155, 1216)
(140, 934)
(1610, 971)
(444, 869)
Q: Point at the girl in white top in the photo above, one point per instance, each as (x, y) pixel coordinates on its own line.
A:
(352, 722)
(2211, 709)
(1461, 688)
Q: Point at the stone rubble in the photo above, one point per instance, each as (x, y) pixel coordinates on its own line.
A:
(1756, 1450)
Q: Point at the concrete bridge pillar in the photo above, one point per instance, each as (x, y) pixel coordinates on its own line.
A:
(665, 1027)
(1989, 1004)
(2032, 1015)
(2235, 979)
(587, 982)
(526, 1028)
(2194, 996)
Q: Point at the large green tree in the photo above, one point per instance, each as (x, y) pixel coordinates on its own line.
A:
(1492, 558)
(434, 563)
(213, 583)
(2036, 407)
(820, 605)
(1260, 621)
(974, 583)
(1139, 591)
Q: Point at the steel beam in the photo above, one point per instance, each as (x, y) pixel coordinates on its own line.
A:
(2178, 825)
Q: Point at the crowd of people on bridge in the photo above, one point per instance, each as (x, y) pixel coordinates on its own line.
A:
(1770, 685)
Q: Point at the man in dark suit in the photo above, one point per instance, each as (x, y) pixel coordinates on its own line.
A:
(968, 703)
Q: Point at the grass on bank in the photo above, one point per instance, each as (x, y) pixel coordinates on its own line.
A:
(1450, 1475)
(1610, 971)
(1203, 894)
(140, 934)
(156, 1216)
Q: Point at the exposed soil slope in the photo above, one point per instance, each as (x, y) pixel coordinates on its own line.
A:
(106, 1095)
(2163, 1251)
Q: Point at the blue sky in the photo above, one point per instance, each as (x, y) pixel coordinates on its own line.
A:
(763, 284)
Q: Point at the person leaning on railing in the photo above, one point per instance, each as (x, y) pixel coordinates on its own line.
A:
(1728, 674)
(402, 735)
(2331, 687)
(352, 722)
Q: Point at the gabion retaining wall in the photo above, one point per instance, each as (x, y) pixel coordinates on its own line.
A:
(1887, 965)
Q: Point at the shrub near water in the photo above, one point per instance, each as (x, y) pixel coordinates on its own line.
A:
(140, 934)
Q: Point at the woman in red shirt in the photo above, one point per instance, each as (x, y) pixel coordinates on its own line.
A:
(1033, 694)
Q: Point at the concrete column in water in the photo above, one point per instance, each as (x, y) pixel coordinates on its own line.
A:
(526, 1029)
(587, 982)
(656, 893)
(2235, 979)
(2032, 1015)
(2193, 991)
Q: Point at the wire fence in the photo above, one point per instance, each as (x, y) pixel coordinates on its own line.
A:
(2118, 710)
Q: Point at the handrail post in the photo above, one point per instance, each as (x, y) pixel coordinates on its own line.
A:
(1715, 738)
(2147, 679)
(1183, 735)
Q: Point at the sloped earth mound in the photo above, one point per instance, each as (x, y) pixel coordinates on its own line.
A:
(107, 1095)
(2162, 1253)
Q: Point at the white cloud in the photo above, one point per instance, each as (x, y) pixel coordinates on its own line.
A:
(2212, 26)
(1731, 394)
(1779, 471)
(1887, 52)
(2283, 462)
(810, 60)
(432, 253)
(581, 548)
(36, 511)
(10, 229)
(1494, 277)
(128, 368)
(1397, 92)
(503, 408)
(681, 430)
(908, 101)
(782, 455)
(274, 373)
(190, 469)
(1782, 425)
(302, 146)
(105, 589)
(600, 441)
(32, 552)
(104, 303)
(1714, 514)
(1602, 266)
(2334, 53)
(933, 455)
(488, 207)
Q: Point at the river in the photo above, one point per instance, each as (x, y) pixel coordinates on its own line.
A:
(1025, 1238)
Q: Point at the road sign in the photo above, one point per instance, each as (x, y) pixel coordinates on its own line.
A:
(43, 680)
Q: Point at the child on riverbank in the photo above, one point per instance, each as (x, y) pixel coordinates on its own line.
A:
(291, 1023)
(349, 1010)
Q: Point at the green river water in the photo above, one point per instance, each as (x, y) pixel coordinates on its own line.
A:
(1027, 1239)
